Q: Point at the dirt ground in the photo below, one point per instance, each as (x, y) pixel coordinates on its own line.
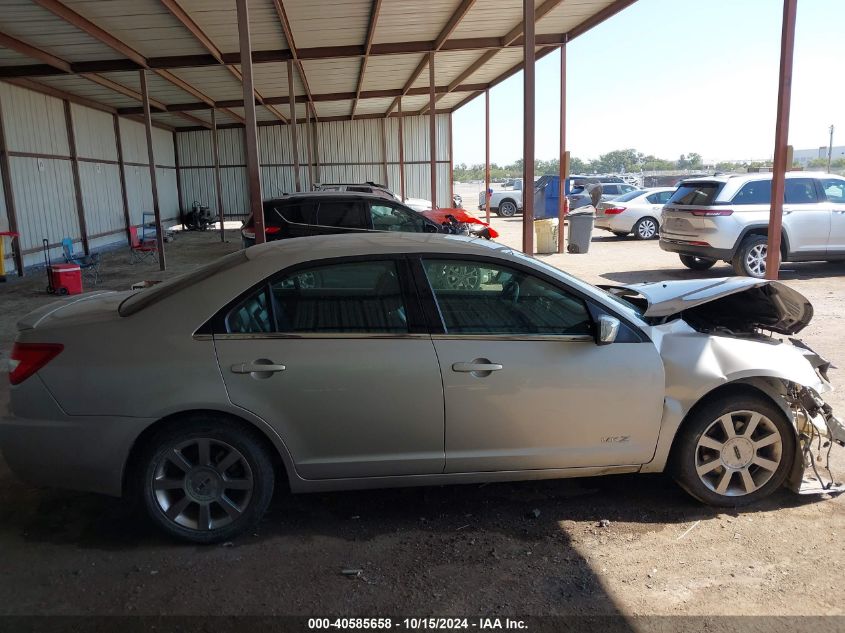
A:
(501, 549)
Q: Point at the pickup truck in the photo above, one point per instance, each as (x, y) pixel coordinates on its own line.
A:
(504, 202)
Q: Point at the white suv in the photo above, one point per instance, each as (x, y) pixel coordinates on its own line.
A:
(727, 218)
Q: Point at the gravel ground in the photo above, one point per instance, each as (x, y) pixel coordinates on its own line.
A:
(631, 545)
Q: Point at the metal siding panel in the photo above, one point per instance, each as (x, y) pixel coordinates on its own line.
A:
(138, 192)
(33, 122)
(94, 133)
(44, 200)
(101, 197)
(231, 144)
(194, 148)
(198, 185)
(163, 147)
(168, 197)
(133, 140)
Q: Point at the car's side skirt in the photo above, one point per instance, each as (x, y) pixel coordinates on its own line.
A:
(365, 483)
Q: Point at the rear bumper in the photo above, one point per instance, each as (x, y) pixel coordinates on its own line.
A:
(75, 452)
(695, 250)
(616, 223)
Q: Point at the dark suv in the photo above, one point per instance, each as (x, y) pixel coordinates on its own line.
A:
(326, 212)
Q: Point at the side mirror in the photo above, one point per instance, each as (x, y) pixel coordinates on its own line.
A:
(608, 328)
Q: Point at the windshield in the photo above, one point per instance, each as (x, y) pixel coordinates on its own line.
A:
(145, 298)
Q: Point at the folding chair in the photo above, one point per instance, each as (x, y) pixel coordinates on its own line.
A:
(139, 249)
(90, 264)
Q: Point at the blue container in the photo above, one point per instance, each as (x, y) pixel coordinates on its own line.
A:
(547, 196)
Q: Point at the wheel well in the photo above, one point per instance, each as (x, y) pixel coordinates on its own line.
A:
(728, 390)
(764, 231)
(228, 419)
(511, 200)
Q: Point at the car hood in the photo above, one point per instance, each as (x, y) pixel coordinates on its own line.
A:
(731, 302)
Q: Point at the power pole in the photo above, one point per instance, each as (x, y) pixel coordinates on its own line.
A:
(830, 150)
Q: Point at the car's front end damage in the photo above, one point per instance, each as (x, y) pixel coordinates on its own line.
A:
(739, 331)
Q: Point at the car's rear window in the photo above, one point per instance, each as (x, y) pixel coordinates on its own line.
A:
(145, 298)
(699, 193)
(625, 197)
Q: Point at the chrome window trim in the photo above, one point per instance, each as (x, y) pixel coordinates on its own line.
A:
(248, 336)
(550, 338)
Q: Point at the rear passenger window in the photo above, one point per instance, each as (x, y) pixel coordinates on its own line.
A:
(353, 297)
(703, 193)
(754, 192)
(297, 213)
(343, 213)
(834, 189)
(800, 191)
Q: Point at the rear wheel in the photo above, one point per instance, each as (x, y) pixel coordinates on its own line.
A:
(734, 451)
(750, 258)
(697, 263)
(645, 229)
(205, 480)
(507, 209)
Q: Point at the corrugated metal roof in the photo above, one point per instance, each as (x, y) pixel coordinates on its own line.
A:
(330, 36)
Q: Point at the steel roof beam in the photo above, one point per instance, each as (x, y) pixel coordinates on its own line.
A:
(371, 29)
(293, 53)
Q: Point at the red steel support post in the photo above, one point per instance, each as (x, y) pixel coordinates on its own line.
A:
(787, 45)
(218, 183)
(250, 126)
(528, 128)
(564, 156)
(487, 154)
(148, 125)
(432, 129)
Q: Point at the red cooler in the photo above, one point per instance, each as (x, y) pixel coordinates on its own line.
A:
(65, 279)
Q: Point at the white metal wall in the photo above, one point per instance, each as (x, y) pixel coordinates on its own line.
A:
(346, 151)
(41, 173)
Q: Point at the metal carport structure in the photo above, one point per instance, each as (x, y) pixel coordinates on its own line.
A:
(110, 109)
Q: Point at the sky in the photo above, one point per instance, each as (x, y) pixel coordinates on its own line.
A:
(670, 77)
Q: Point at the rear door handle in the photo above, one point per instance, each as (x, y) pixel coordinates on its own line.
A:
(481, 366)
(256, 367)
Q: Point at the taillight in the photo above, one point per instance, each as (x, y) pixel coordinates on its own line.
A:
(28, 358)
(709, 213)
(614, 210)
(272, 230)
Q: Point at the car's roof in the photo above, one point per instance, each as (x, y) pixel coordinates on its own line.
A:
(327, 194)
(762, 175)
(375, 243)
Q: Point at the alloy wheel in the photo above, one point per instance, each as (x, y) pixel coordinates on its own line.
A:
(462, 277)
(738, 453)
(646, 229)
(202, 484)
(755, 260)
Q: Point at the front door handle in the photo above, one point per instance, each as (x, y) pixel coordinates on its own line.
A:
(261, 366)
(479, 367)
(473, 367)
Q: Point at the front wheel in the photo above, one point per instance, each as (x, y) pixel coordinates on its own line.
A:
(734, 452)
(646, 229)
(697, 263)
(507, 209)
(206, 480)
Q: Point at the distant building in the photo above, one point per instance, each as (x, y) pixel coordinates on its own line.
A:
(804, 156)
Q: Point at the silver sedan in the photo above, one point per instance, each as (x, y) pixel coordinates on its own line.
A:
(363, 361)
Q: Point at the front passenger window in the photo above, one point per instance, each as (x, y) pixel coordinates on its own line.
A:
(390, 218)
(482, 298)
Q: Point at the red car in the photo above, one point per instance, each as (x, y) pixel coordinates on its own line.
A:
(463, 221)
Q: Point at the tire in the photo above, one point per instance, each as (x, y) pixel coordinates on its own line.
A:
(646, 229)
(750, 257)
(752, 472)
(507, 208)
(174, 476)
(697, 263)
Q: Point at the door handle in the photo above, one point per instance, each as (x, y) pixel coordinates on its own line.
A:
(471, 367)
(257, 367)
